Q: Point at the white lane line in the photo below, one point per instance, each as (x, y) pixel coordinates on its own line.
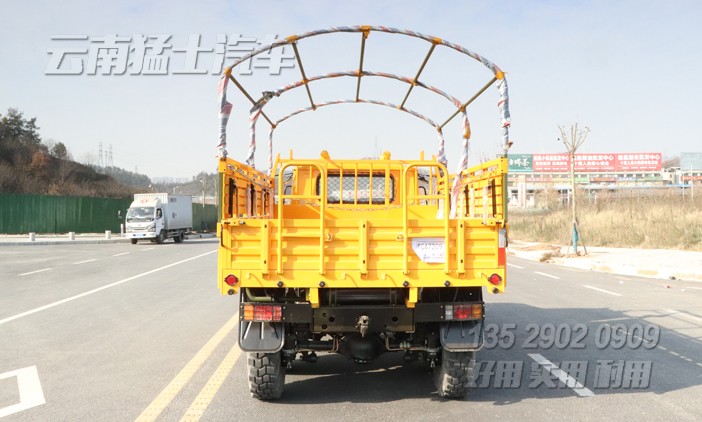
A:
(99, 289)
(84, 262)
(562, 376)
(602, 290)
(547, 275)
(515, 266)
(696, 288)
(37, 271)
(684, 315)
(120, 254)
(148, 249)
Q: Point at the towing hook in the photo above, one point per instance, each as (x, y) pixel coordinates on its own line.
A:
(362, 324)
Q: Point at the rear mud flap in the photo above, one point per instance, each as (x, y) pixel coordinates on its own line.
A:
(261, 336)
(462, 336)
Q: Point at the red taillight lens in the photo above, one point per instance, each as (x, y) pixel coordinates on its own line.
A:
(231, 280)
(462, 312)
(267, 313)
(495, 279)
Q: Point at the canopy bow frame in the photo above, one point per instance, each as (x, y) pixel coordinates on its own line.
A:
(258, 105)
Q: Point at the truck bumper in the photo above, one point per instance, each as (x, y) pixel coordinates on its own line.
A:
(463, 335)
(141, 235)
(382, 317)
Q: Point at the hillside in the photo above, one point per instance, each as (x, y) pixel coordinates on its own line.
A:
(30, 166)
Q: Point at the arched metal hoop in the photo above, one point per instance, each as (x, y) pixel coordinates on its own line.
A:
(257, 110)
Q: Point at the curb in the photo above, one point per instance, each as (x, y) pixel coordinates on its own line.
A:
(24, 241)
(64, 242)
(624, 270)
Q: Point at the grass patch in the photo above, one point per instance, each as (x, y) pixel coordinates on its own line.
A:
(637, 220)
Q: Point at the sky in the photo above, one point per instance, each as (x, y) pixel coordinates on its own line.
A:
(627, 70)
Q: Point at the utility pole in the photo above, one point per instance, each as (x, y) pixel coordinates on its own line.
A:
(572, 140)
(203, 191)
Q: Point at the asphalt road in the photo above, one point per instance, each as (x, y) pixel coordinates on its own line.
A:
(120, 332)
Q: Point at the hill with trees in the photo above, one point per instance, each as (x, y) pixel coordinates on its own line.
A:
(29, 165)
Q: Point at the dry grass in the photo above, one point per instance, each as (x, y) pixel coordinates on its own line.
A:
(664, 220)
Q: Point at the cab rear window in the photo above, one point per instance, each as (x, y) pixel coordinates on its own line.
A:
(362, 189)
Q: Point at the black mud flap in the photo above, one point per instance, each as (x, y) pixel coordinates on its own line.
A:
(261, 336)
(462, 336)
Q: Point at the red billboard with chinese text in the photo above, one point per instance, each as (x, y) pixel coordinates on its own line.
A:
(594, 163)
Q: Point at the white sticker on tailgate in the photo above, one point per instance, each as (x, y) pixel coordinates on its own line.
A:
(429, 249)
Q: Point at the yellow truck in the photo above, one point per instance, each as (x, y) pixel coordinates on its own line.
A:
(361, 256)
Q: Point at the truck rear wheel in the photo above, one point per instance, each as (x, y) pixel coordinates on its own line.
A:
(453, 376)
(266, 375)
(179, 238)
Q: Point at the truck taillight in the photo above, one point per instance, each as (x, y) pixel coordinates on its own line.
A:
(231, 279)
(495, 279)
(462, 312)
(263, 313)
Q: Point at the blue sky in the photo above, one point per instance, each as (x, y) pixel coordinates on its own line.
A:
(626, 69)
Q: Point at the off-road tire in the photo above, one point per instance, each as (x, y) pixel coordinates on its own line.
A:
(161, 237)
(266, 375)
(134, 241)
(453, 375)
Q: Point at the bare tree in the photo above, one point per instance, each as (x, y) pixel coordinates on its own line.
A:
(572, 139)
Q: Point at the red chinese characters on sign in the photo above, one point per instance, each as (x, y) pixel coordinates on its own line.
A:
(640, 161)
(551, 163)
(592, 163)
(595, 162)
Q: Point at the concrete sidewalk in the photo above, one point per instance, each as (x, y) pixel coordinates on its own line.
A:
(79, 238)
(655, 263)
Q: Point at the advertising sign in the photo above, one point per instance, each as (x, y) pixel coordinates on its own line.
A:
(691, 161)
(520, 163)
(598, 163)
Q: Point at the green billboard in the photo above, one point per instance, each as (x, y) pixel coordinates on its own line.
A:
(520, 163)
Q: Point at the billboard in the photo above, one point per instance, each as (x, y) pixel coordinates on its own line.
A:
(520, 163)
(689, 161)
(587, 163)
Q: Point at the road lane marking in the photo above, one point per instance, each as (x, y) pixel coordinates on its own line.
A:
(547, 275)
(683, 315)
(148, 249)
(84, 262)
(204, 398)
(99, 289)
(562, 376)
(166, 396)
(602, 290)
(515, 266)
(30, 391)
(37, 271)
(120, 254)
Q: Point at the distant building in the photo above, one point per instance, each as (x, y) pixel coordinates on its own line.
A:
(531, 175)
